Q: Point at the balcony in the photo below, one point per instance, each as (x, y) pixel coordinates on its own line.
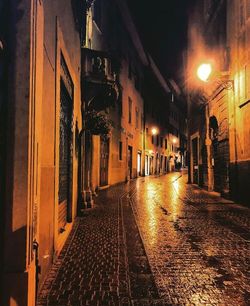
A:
(99, 81)
(97, 67)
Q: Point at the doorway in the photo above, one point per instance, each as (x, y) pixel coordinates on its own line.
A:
(195, 161)
(130, 151)
(157, 164)
(104, 161)
(146, 165)
(161, 164)
(65, 157)
(151, 165)
(139, 164)
(165, 164)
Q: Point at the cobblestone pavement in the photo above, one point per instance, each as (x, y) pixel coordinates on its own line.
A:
(198, 244)
(154, 241)
(103, 261)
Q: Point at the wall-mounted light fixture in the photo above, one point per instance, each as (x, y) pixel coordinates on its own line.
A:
(154, 130)
(204, 71)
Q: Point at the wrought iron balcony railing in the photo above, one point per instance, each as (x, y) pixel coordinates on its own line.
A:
(97, 66)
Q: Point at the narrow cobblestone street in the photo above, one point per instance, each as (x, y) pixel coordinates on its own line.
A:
(154, 241)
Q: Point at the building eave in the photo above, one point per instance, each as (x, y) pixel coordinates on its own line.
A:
(158, 74)
(132, 30)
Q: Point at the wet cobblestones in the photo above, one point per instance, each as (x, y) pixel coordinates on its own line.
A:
(154, 241)
(198, 252)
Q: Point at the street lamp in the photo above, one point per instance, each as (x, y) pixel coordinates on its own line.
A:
(204, 71)
(154, 131)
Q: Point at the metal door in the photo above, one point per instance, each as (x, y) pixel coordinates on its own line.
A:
(65, 157)
(104, 161)
(221, 165)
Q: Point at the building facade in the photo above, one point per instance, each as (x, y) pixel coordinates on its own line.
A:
(218, 130)
(238, 28)
(118, 156)
(43, 118)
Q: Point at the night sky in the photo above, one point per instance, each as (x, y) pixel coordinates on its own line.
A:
(162, 26)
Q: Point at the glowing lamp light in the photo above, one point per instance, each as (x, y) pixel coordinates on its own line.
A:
(154, 131)
(204, 71)
(174, 140)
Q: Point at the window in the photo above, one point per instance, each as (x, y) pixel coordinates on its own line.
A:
(157, 140)
(120, 101)
(120, 150)
(152, 139)
(136, 118)
(129, 110)
(166, 143)
(161, 142)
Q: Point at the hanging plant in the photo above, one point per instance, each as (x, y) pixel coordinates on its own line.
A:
(97, 123)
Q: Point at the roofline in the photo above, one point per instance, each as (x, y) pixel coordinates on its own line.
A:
(158, 74)
(129, 23)
(146, 58)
